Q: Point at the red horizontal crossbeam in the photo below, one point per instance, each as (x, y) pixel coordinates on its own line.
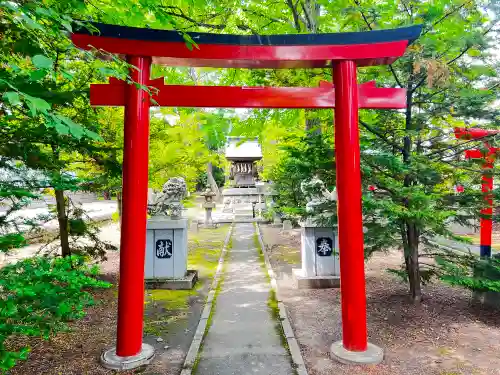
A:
(370, 97)
(250, 56)
(474, 154)
(474, 133)
(478, 154)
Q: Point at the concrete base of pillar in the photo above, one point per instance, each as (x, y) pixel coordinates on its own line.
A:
(183, 283)
(111, 361)
(372, 356)
(315, 282)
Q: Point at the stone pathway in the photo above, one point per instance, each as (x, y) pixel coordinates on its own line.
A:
(243, 338)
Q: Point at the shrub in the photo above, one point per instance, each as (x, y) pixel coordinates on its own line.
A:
(38, 296)
(471, 272)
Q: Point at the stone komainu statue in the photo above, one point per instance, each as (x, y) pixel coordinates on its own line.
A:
(319, 199)
(169, 201)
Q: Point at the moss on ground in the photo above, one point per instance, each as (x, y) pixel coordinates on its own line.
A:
(204, 259)
(272, 302)
(218, 288)
(281, 253)
(287, 255)
(164, 307)
(260, 251)
(170, 299)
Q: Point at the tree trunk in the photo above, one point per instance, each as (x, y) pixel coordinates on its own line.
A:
(311, 12)
(119, 202)
(307, 13)
(62, 217)
(411, 231)
(411, 260)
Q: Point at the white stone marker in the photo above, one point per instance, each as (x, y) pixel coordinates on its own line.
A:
(320, 257)
(166, 248)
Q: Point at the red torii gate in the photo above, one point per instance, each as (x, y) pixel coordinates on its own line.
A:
(487, 181)
(343, 52)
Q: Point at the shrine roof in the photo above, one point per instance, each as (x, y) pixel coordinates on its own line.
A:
(238, 148)
(250, 51)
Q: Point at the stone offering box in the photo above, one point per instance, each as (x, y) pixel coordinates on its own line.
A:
(166, 254)
(319, 256)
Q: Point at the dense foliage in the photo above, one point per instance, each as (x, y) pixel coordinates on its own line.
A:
(47, 123)
(451, 77)
(410, 158)
(38, 296)
(479, 275)
(303, 157)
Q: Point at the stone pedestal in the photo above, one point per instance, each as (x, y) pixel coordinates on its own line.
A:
(277, 221)
(208, 206)
(166, 254)
(287, 225)
(320, 259)
(110, 360)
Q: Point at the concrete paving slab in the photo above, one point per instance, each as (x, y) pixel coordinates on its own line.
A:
(243, 338)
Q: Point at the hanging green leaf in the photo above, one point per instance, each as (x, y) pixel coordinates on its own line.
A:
(67, 75)
(12, 97)
(107, 71)
(37, 104)
(93, 135)
(474, 52)
(76, 130)
(61, 128)
(38, 75)
(42, 62)
(31, 23)
(67, 26)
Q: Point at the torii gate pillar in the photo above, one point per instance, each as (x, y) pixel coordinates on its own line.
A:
(354, 347)
(488, 158)
(130, 352)
(350, 223)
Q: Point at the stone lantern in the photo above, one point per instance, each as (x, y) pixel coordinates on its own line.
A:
(261, 204)
(208, 205)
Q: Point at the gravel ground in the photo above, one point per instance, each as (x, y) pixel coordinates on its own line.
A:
(444, 335)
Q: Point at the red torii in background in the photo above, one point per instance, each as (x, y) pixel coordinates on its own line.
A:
(487, 181)
(342, 52)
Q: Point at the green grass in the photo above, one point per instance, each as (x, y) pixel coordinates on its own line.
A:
(262, 259)
(444, 351)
